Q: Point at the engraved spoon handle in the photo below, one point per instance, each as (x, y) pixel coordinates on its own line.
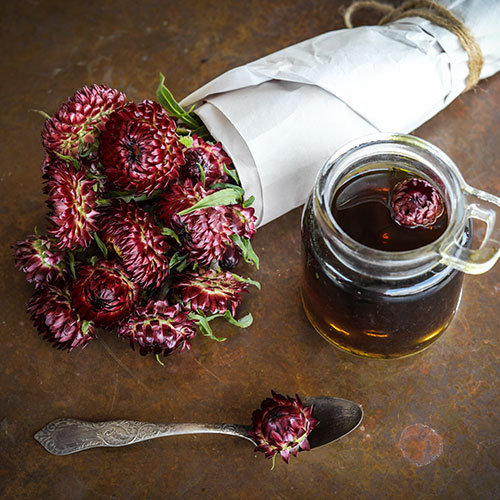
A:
(67, 435)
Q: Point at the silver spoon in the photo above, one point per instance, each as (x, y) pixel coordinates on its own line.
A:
(64, 436)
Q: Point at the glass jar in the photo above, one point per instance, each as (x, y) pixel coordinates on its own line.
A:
(388, 304)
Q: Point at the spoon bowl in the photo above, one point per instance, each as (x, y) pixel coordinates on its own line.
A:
(64, 436)
(337, 418)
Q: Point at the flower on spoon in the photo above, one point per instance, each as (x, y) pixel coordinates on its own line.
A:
(282, 425)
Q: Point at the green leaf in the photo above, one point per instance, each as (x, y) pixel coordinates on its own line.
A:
(93, 260)
(246, 280)
(92, 175)
(40, 112)
(243, 322)
(167, 100)
(204, 325)
(248, 202)
(85, 149)
(177, 260)
(141, 197)
(35, 230)
(227, 196)
(119, 194)
(246, 249)
(85, 326)
(103, 202)
(102, 246)
(224, 185)
(71, 261)
(183, 264)
(69, 159)
(157, 356)
(170, 232)
(187, 140)
(233, 174)
(128, 196)
(202, 173)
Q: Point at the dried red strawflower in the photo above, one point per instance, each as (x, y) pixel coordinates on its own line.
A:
(230, 258)
(103, 293)
(158, 327)
(242, 221)
(140, 149)
(52, 161)
(55, 318)
(73, 205)
(209, 157)
(210, 291)
(42, 262)
(89, 165)
(415, 203)
(138, 241)
(207, 233)
(282, 425)
(75, 127)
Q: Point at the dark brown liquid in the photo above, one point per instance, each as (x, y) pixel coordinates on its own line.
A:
(362, 209)
(372, 317)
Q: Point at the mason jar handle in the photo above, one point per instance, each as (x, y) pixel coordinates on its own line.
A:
(484, 207)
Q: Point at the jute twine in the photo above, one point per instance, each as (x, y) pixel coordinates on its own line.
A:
(435, 13)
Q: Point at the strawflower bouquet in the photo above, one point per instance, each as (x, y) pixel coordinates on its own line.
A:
(146, 220)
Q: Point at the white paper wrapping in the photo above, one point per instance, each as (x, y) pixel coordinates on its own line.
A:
(282, 116)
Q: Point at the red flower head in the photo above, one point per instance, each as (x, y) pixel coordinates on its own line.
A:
(51, 162)
(282, 425)
(89, 165)
(416, 202)
(140, 149)
(138, 241)
(43, 263)
(209, 157)
(158, 327)
(54, 317)
(210, 291)
(230, 258)
(76, 125)
(103, 293)
(205, 233)
(243, 221)
(73, 205)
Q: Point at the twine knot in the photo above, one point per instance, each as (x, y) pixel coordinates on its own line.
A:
(437, 14)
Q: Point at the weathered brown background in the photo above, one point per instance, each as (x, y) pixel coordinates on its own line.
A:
(48, 50)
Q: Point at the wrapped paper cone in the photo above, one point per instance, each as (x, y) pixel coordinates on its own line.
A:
(282, 116)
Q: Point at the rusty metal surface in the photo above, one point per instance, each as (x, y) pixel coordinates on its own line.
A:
(431, 427)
